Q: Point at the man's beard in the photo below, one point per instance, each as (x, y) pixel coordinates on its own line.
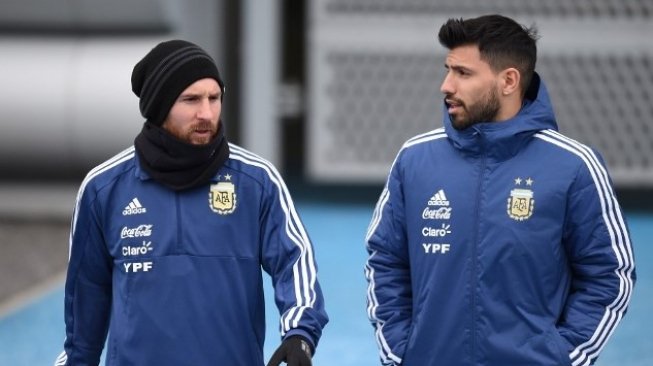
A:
(201, 126)
(485, 110)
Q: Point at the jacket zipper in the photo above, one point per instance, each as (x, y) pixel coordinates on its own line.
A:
(178, 219)
(479, 189)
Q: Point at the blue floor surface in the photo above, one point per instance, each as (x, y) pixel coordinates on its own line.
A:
(34, 334)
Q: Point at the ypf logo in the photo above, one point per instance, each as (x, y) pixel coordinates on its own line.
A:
(135, 267)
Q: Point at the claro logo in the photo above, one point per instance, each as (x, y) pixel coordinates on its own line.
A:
(136, 232)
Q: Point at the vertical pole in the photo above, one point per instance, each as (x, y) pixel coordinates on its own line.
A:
(260, 79)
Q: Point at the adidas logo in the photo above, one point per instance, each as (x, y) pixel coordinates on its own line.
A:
(439, 199)
(134, 208)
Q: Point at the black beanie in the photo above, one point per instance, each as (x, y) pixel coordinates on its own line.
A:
(165, 72)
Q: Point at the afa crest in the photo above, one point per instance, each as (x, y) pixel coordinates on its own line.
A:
(222, 198)
(521, 202)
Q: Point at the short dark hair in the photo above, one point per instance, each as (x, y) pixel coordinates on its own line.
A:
(501, 41)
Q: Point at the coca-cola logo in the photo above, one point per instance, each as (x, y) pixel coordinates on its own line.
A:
(136, 232)
(442, 213)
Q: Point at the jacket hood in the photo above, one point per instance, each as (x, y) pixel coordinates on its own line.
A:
(501, 140)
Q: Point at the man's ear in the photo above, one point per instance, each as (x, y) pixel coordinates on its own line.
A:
(510, 81)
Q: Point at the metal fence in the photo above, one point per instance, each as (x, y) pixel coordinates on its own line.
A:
(375, 69)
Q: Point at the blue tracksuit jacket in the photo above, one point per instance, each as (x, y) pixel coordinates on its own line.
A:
(175, 277)
(501, 244)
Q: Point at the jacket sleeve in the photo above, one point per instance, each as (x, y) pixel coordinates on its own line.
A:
(598, 245)
(88, 287)
(389, 294)
(288, 257)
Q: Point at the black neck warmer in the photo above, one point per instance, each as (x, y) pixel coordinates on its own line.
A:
(176, 164)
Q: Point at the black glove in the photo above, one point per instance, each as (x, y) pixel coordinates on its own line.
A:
(295, 350)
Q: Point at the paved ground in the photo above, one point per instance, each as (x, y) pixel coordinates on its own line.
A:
(34, 225)
(32, 254)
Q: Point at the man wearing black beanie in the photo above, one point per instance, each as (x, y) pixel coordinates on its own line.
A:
(169, 238)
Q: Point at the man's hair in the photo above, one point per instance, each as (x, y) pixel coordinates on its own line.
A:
(502, 42)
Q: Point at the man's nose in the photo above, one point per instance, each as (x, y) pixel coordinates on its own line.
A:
(205, 111)
(447, 86)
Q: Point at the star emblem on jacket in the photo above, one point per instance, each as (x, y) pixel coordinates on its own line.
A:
(521, 202)
(222, 196)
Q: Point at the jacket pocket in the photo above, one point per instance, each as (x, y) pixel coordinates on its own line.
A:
(562, 347)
